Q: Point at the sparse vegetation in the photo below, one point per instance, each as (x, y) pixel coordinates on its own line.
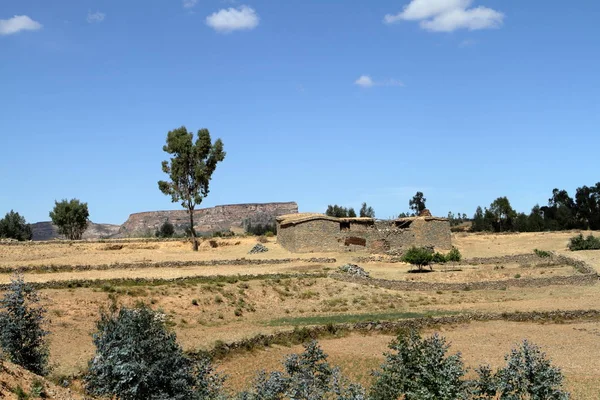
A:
(542, 253)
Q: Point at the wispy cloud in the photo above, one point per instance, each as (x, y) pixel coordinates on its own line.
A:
(189, 3)
(467, 43)
(365, 81)
(447, 15)
(95, 17)
(17, 24)
(233, 19)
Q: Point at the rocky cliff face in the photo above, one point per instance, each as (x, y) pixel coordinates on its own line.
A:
(207, 220)
(46, 231)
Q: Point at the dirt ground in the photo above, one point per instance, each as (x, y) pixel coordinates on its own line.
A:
(203, 313)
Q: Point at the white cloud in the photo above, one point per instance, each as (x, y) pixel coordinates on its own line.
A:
(233, 19)
(95, 17)
(189, 3)
(365, 81)
(18, 23)
(447, 15)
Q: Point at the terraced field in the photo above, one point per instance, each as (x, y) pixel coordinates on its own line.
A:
(222, 294)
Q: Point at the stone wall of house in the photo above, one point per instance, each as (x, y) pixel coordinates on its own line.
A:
(310, 236)
(360, 235)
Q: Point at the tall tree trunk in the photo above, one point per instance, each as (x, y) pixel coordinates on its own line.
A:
(192, 230)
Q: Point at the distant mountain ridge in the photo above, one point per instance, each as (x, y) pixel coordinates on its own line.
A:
(206, 220)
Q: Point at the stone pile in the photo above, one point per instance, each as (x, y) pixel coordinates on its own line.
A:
(258, 248)
(354, 270)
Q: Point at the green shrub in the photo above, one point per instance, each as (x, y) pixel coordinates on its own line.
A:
(22, 337)
(305, 376)
(454, 255)
(419, 369)
(269, 234)
(418, 256)
(138, 358)
(438, 258)
(580, 243)
(542, 253)
(166, 230)
(529, 375)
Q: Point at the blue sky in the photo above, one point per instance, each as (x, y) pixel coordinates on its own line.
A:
(318, 102)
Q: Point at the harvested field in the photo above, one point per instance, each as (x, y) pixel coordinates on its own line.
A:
(100, 253)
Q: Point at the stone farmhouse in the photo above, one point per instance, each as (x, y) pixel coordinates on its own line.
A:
(308, 232)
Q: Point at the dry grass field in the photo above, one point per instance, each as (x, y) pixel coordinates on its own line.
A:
(204, 309)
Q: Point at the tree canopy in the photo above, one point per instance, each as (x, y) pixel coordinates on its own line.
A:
(417, 203)
(71, 218)
(366, 211)
(14, 226)
(190, 169)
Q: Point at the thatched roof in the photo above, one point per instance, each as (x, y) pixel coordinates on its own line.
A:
(406, 219)
(293, 219)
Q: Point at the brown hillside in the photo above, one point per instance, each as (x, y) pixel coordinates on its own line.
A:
(14, 378)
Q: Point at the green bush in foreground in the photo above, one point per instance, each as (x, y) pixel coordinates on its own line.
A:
(420, 369)
(22, 337)
(580, 243)
(138, 358)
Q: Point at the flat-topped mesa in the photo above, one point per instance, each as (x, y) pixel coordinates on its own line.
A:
(310, 232)
(207, 220)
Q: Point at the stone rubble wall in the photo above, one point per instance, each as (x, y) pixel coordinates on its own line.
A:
(302, 335)
(163, 264)
(585, 275)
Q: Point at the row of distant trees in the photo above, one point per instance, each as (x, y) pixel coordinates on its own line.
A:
(343, 212)
(137, 357)
(416, 204)
(562, 213)
(70, 216)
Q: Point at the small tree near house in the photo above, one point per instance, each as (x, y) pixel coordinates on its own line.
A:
(190, 169)
(418, 256)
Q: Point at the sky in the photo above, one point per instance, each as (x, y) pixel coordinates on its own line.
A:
(318, 102)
